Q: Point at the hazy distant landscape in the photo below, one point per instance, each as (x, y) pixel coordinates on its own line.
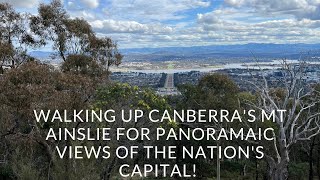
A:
(215, 57)
(263, 51)
(244, 51)
(199, 57)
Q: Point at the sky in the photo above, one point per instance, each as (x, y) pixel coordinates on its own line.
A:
(167, 23)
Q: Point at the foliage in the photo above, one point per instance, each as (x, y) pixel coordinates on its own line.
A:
(215, 91)
(28, 85)
(74, 38)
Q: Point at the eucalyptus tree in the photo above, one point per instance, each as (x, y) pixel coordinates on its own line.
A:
(73, 36)
(105, 51)
(54, 25)
(301, 120)
(14, 37)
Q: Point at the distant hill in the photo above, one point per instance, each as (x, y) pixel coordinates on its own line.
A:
(243, 48)
(40, 54)
(259, 50)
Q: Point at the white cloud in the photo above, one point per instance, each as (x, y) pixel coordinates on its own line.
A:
(91, 3)
(87, 15)
(142, 22)
(112, 26)
(209, 18)
(211, 28)
(22, 3)
(155, 10)
(290, 23)
(298, 8)
(225, 25)
(156, 23)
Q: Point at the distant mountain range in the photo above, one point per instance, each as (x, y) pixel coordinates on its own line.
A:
(40, 54)
(243, 49)
(259, 50)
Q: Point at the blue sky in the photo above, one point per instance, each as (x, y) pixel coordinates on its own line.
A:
(163, 23)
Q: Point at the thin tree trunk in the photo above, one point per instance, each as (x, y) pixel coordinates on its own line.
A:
(311, 159)
(244, 170)
(318, 162)
(67, 163)
(279, 172)
(218, 163)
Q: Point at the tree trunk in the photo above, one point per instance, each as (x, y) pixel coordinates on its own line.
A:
(311, 159)
(280, 171)
(218, 163)
(67, 163)
(318, 168)
(244, 170)
(318, 162)
(310, 168)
